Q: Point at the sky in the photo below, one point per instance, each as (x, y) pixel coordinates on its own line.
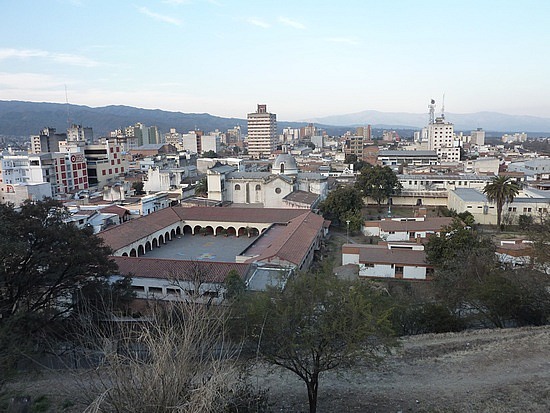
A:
(303, 58)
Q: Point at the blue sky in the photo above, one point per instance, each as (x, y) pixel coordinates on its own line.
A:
(303, 58)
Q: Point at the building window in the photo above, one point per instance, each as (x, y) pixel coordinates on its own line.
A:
(258, 187)
(237, 187)
(398, 269)
(277, 190)
(155, 290)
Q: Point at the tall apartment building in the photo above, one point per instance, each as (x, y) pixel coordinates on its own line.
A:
(364, 131)
(478, 137)
(105, 163)
(441, 139)
(262, 133)
(80, 135)
(47, 141)
(233, 135)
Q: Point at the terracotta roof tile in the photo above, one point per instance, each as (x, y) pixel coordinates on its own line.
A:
(115, 209)
(183, 270)
(392, 256)
(430, 224)
(294, 240)
(252, 215)
(121, 235)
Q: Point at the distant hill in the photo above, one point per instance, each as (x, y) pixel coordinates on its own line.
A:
(489, 121)
(28, 118)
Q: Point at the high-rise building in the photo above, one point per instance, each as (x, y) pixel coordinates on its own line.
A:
(262, 133)
(80, 135)
(441, 138)
(47, 141)
(478, 137)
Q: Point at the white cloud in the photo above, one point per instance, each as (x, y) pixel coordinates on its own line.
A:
(349, 40)
(28, 81)
(65, 58)
(292, 23)
(159, 17)
(257, 22)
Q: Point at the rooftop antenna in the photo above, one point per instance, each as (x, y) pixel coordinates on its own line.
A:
(431, 107)
(67, 103)
(443, 107)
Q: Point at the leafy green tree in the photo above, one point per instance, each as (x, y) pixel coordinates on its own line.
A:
(539, 233)
(378, 183)
(316, 324)
(342, 203)
(468, 277)
(525, 221)
(46, 260)
(234, 285)
(201, 189)
(45, 264)
(137, 186)
(209, 154)
(457, 241)
(501, 190)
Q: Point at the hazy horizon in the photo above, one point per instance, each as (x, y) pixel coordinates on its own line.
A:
(305, 60)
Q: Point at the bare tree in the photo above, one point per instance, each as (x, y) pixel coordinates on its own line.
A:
(174, 360)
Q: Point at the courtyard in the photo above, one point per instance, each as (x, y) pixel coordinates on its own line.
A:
(202, 248)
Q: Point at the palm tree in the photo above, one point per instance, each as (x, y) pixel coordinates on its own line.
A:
(501, 190)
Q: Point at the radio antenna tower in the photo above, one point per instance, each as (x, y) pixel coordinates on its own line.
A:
(67, 103)
(443, 107)
(431, 108)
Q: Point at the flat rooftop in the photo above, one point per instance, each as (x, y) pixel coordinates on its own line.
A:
(202, 248)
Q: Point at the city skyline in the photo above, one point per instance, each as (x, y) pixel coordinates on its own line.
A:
(306, 59)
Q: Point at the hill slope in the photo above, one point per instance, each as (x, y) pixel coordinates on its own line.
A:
(490, 121)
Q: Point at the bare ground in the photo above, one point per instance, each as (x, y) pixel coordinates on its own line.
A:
(475, 371)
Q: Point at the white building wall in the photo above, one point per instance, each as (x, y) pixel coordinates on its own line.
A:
(350, 259)
(163, 289)
(378, 270)
(210, 143)
(189, 142)
(414, 273)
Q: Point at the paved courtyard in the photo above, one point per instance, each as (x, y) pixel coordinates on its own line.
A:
(202, 248)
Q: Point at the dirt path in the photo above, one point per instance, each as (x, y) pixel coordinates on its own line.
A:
(479, 371)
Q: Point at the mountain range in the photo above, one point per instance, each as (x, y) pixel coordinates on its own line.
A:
(489, 121)
(18, 118)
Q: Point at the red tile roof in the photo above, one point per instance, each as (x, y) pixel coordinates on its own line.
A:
(430, 224)
(121, 235)
(294, 240)
(290, 239)
(115, 209)
(182, 270)
(375, 255)
(244, 215)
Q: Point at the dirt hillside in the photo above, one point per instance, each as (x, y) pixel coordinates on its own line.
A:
(476, 371)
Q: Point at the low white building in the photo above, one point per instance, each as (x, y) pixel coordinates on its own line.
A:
(528, 202)
(381, 261)
(433, 189)
(405, 229)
